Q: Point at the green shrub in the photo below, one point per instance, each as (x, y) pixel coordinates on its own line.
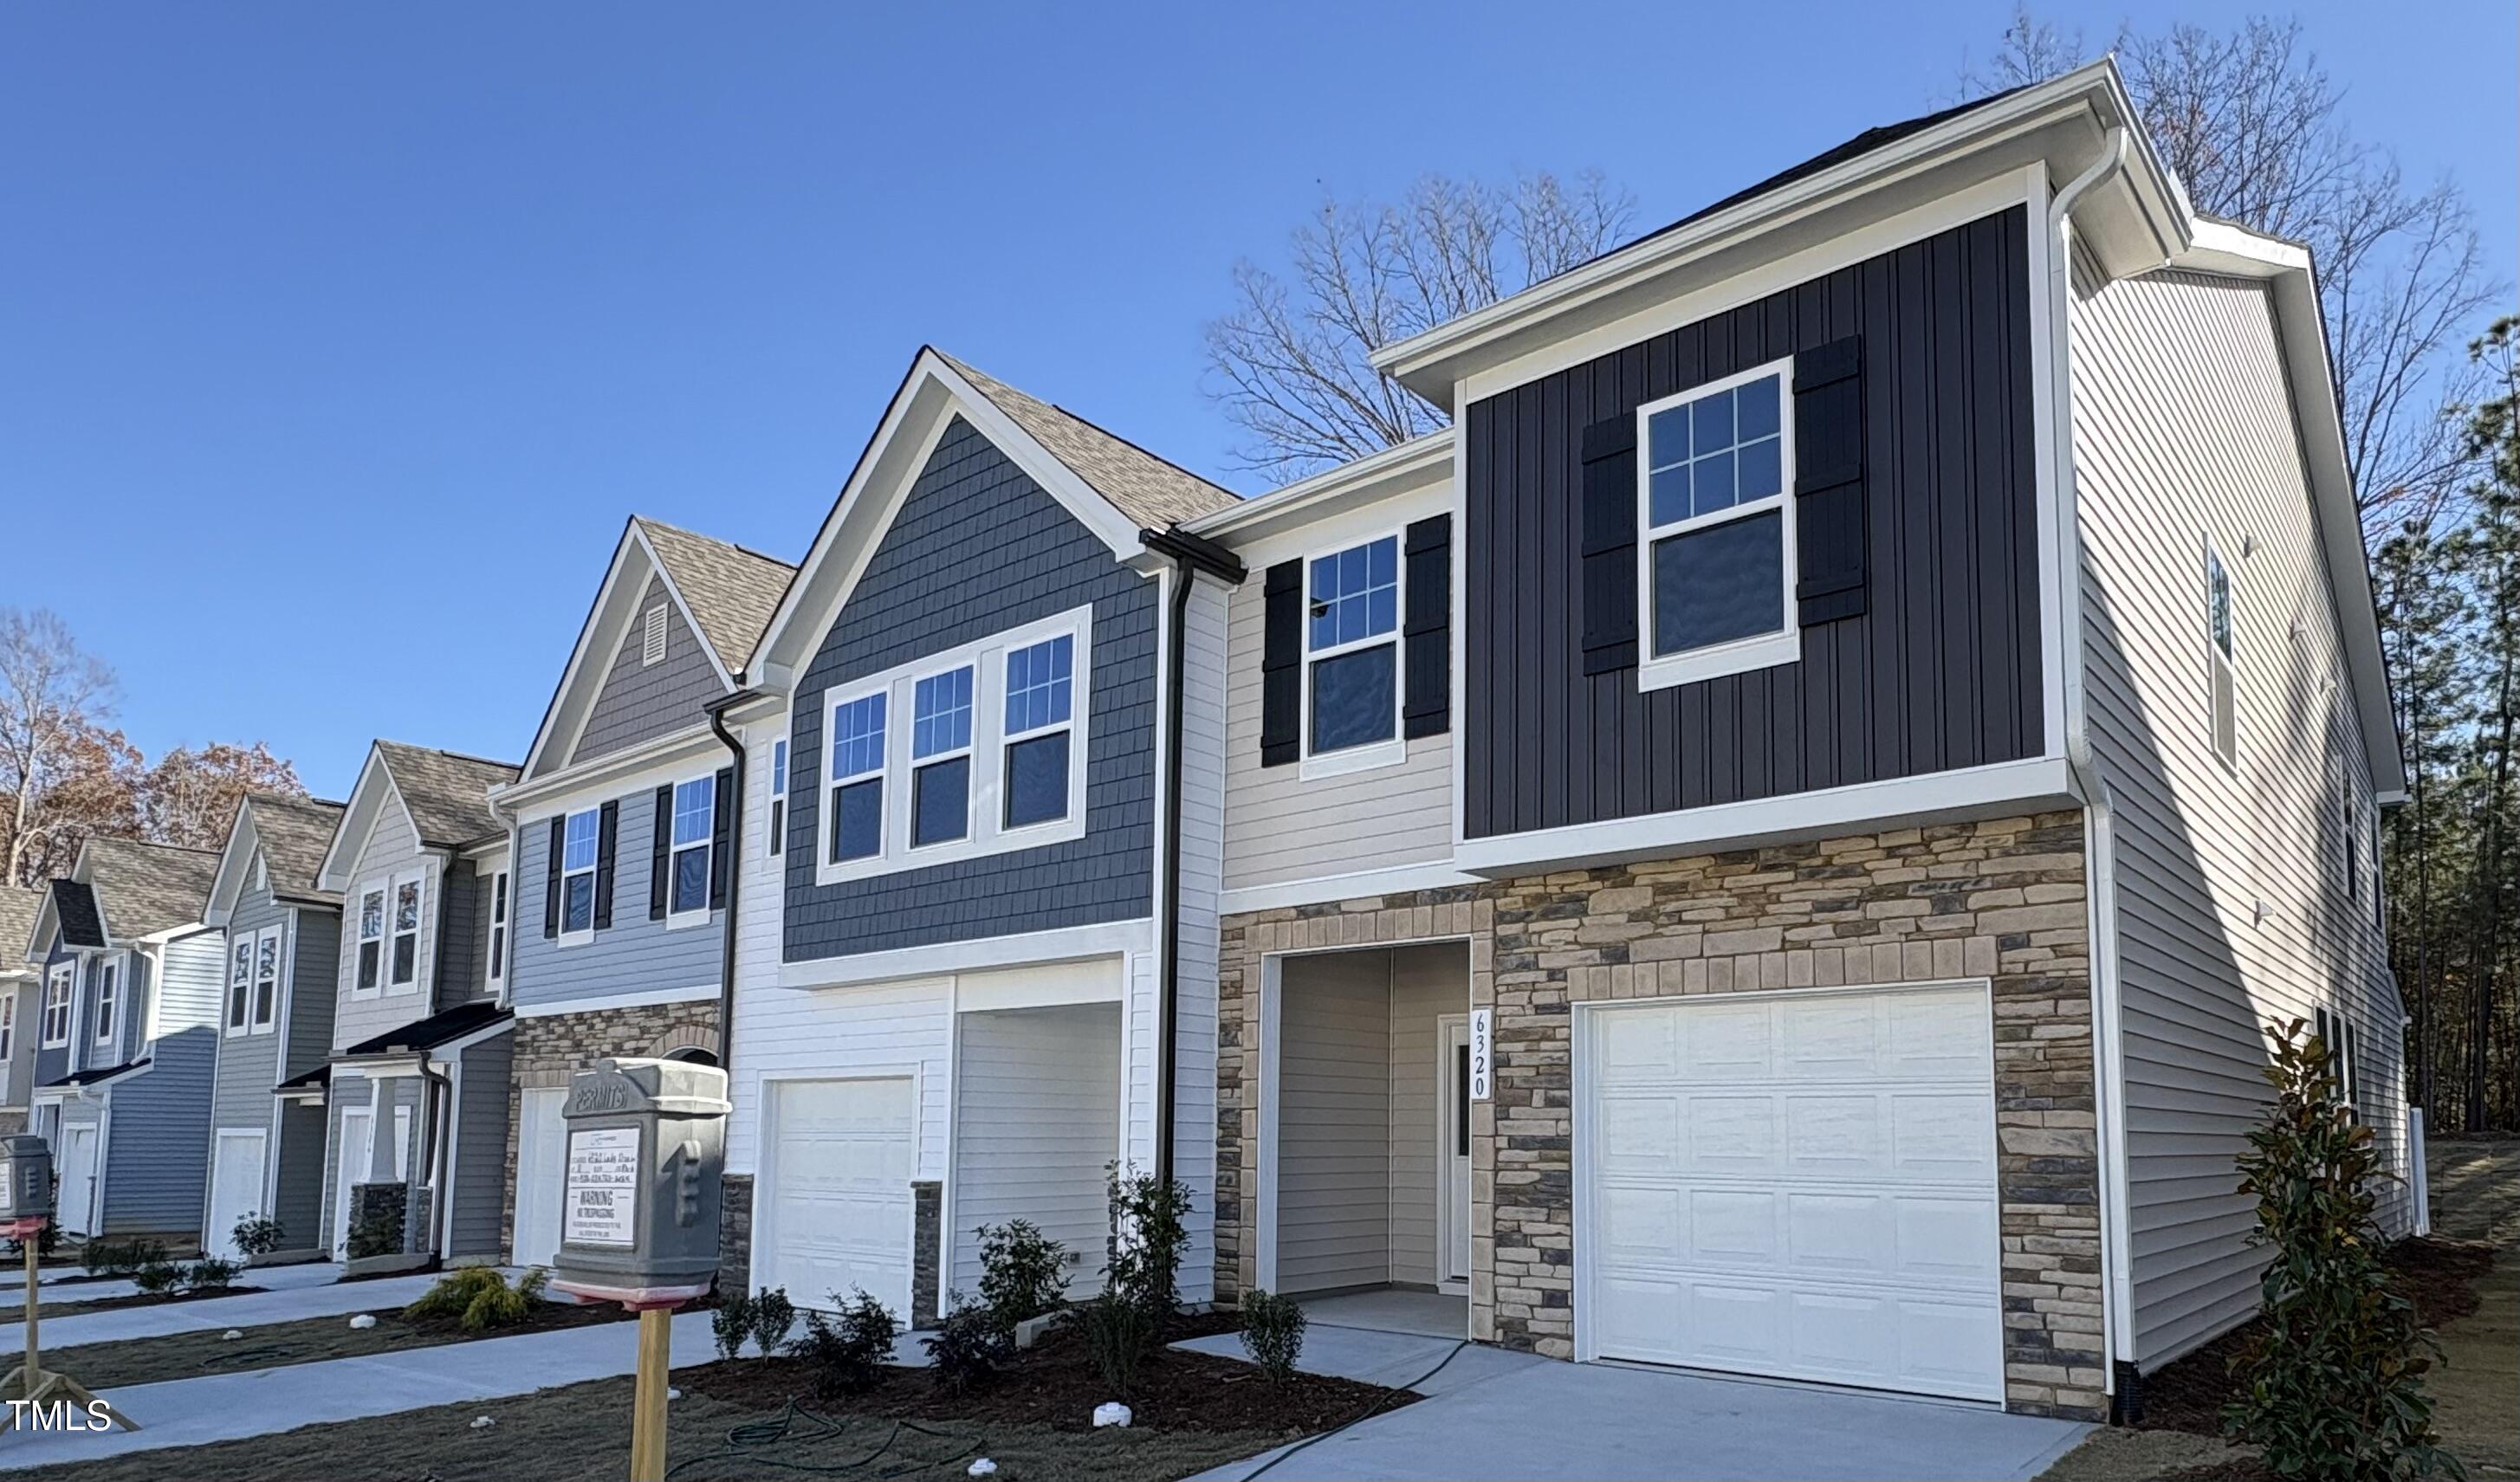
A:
(211, 1273)
(731, 1323)
(2330, 1387)
(772, 1316)
(479, 1298)
(257, 1236)
(1119, 1332)
(1024, 1272)
(1272, 1332)
(158, 1278)
(969, 1346)
(122, 1258)
(848, 1352)
(1148, 1233)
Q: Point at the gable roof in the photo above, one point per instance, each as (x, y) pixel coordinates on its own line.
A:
(294, 832)
(141, 889)
(1111, 485)
(447, 793)
(729, 590)
(18, 905)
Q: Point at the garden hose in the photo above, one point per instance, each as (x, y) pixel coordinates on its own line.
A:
(1376, 1409)
(797, 1423)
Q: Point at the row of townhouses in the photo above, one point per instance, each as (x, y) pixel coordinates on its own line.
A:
(1769, 845)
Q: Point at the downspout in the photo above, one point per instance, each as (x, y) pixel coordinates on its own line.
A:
(2117, 1310)
(734, 879)
(1190, 554)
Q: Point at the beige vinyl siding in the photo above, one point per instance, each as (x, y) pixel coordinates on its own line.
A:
(2183, 433)
(1334, 1121)
(1280, 829)
(1426, 982)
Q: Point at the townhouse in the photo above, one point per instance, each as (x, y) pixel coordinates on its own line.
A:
(21, 990)
(128, 1038)
(415, 1088)
(284, 944)
(623, 818)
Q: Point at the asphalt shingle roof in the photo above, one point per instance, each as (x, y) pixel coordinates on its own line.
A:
(18, 907)
(447, 793)
(294, 832)
(430, 1032)
(1148, 490)
(143, 888)
(731, 591)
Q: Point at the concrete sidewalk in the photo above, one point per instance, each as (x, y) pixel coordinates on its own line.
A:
(1494, 1413)
(217, 1314)
(227, 1407)
(269, 1277)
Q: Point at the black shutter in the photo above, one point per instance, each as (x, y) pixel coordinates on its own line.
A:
(1610, 545)
(606, 823)
(1281, 667)
(1427, 629)
(1828, 481)
(551, 878)
(659, 849)
(721, 835)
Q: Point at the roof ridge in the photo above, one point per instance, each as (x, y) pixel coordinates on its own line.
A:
(461, 756)
(1081, 419)
(737, 546)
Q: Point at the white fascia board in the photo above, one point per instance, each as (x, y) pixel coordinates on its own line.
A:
(552, 722)
(1066, 944)
(359, 819)
(1396, 881)
(235, 858)
(1421, 461)
(673, 750)
(1974, 792)
(645, 997)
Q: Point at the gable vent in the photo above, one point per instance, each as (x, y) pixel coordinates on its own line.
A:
(652, 643)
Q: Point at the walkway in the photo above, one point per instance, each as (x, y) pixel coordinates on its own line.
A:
(246, 1310)
(59, 1290)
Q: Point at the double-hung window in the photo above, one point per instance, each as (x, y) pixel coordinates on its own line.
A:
(1041, 707)
(371, 936)
(940, 756)
(1352, 649)
(856, 813)
(240, 982)
(405, 951)
(777, 843)
(695, 825)
(2225, 703)
(266, 979)
(579, 838)
(499, 928)
(8, 1029)
(56, 1024)
(2350, 833)
(1716, 565)
(108, 998)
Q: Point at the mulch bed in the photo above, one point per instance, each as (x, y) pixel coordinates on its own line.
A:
(1055, 1385)
(2438, 1276)
(52, 1309)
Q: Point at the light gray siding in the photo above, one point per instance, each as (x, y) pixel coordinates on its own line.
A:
(635, 954)
(314, 963)
(297, 1200)
(2184, 433)
(480, 1151)
(18, 1066)
(1201, 829)
(640, 700)
(1037, 1122)
(1334, 1121)
(248, 1063)
(1280, 828)
(52, 1061)
(392, 849)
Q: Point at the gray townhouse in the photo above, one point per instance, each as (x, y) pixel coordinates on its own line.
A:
(623, 817)
(1769, 845)
(955, 861)
(21, 1000)
(128, 1038)
(284, 943)
(415, 1088)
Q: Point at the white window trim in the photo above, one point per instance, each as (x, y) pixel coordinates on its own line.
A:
(8, 1028)
(1373, 754)
(108, 1001)
(418, 938)
(63, 977)
(1076, 692)
(236, 1004)
(1764, 650)
(775, 810)
(593, 870)
(968, 752)
(698, 915)
(987, 658)
(255, 1022)
(502, 925)
(384, 889)
(2216, 658)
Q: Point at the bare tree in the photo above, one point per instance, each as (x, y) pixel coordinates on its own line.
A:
(1289, 364)
(2253, 127)
(63, 775)
(190, 796)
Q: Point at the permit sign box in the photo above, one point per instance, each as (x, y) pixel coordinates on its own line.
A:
(25, 1178)
(640, 1186)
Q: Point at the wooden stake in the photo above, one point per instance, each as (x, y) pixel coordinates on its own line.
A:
(648, 1398)
(29, 1381)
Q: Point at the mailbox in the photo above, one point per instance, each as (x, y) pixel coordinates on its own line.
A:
(25, 1178)
(640, 1189)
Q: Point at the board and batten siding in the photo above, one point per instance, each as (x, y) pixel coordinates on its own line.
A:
(2185, 432)
(975, 549)
(392, 848)
(640, 700)
(1037, 1122)
(637, 952)
(1942, 670)
(1280, 828)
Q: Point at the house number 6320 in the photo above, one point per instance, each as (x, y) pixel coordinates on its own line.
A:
(1482, 1053)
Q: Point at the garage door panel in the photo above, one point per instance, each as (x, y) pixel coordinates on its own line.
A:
(840, 1205)
(1723, 1042)
(1955, 1240)
(1936, 1036)
(1732, 1326)
(1727, 1226)
(1640, 1134)
(1731, 1134)
(1941, 1134)
(1827, 1039)
(1641, 1224)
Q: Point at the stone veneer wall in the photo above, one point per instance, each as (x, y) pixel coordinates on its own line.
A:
(2001, 900)
(549, 1049)
(735, 1234)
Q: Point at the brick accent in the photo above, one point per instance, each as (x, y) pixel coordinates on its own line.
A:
(926, 1250)
(549, 1049)
(735, 1234)
(2001, 900)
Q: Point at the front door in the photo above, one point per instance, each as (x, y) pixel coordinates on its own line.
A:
(542, 1152)
(78, 1180)
(1453, 1155)
(357, 1155)
(236, 1186)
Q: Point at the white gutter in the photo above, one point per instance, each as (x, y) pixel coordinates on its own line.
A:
(2108, 1059)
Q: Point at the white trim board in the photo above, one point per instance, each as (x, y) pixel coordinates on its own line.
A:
(1068, 943)
(598, 1003)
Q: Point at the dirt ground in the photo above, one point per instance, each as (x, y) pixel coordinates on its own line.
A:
(277, 1345)
(53, 1309)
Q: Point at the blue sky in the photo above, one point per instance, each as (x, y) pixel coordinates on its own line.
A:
(336, 341)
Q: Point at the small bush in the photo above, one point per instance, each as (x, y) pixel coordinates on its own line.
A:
(158, 1278)
(122, 1258)
(210, 1274)
(2331, 1388)
(848, 1352)
(969, 1346)
(1150, 1231)
(1272, 1332)
(731, 1323)
(257, 1236)
(773, 1315)
(1024, 1272)
(479, 1298)
(1118, 1331)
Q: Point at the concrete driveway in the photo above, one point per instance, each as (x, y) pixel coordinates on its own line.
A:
(1496, 1414)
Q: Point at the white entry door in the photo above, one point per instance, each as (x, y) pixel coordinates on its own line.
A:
(78, 1180)
(236, 1186)
(542, 1155)
(1797, 1184)
(356, 1156)
(1452, 1145)
(838, 1208)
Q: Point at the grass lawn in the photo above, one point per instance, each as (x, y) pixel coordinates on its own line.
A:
(276, 1345)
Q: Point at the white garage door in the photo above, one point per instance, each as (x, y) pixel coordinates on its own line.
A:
(1801, 1185)
(837, 1202)
(236, 1186)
